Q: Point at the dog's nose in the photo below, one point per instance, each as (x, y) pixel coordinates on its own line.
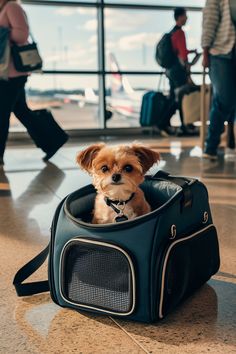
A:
(116, 177)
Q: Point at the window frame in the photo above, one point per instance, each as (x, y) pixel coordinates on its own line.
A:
(100, 6)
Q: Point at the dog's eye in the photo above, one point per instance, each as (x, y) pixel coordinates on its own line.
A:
(128, 168)
(104, 168)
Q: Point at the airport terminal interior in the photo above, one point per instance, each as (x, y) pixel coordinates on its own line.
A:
(98, 63)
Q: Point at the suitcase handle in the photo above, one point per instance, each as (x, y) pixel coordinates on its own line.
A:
(203, 117)
(160, 80)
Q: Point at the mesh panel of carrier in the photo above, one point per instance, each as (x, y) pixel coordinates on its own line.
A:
(97, 276)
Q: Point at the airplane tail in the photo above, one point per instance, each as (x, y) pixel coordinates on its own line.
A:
(89, 94)
(119, 83)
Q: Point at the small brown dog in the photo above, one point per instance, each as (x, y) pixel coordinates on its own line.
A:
(117, 172)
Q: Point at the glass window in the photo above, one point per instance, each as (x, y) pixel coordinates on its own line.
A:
(198, 3)
(70, 1)
(72, 99)
(132, 35)
(124, 97)
(71, 42)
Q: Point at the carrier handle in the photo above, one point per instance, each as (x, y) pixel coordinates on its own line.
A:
(181, 182)
(26, 271)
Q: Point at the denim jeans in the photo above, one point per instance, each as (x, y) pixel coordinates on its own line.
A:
(223, 78)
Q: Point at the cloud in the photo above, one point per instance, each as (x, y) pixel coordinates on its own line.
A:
(86, 11)
(93, 39)
(135, 41)
(193, 42)
(188, 28)
(110, 45)
(76, 56)
(65, 11)
(91, 25)
(70, 11)
(118, 21)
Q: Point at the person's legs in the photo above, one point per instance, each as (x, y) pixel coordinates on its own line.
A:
(8, 92)
(224, 99)
(230, 132)
(21, 109)
(5, 111)
(178, 78)
(186, 89)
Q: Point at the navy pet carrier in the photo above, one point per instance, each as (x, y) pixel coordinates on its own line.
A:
(138, 269)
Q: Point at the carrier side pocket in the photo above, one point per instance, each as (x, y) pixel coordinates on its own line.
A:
(187, 264)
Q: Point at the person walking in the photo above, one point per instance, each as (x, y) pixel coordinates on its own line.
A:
(12, 90)
(219, 54)
(179, 74)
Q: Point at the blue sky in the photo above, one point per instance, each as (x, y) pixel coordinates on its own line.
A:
(67, 39)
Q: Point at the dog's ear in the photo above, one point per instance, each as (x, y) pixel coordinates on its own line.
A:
(85, 157)
(146, 156)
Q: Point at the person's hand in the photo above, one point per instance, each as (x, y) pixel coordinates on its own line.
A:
(190, 81)
(193, 51)
(205, 60)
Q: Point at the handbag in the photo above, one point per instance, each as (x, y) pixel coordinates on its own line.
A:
(26, 58)
(138, 269)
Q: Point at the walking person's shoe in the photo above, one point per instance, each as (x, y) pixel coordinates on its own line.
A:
(167, 131)
(1, 161)
(209, 156)
(190, 130)
(230, 154)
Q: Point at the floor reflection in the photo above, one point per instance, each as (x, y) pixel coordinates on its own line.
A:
(28, 211)
(29, 194)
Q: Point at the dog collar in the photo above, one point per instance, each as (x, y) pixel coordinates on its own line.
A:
(118, 206)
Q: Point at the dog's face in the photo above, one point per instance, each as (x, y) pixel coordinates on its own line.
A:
(117, 170)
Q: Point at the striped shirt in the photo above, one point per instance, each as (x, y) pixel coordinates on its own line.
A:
(218, 31)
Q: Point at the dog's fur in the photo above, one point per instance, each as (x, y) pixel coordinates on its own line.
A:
(103, 162)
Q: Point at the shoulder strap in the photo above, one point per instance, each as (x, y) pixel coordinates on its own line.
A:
(174, 29)
(183, 182)
(26, 271)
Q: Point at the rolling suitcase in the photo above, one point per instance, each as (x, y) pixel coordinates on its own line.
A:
(45, 131)
(156, 110)
(191, 104)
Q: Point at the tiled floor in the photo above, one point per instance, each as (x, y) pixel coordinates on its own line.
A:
(29, 193)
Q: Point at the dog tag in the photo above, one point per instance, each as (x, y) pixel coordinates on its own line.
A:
(121, 218)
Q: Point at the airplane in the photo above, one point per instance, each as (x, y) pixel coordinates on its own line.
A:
(123, 99)
(89, 97)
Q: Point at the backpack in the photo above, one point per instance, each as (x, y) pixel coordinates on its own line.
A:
(165, 55)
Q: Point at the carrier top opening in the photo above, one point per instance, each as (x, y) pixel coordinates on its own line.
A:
(79, 205)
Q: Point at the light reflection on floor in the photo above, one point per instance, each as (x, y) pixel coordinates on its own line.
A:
(29, 194)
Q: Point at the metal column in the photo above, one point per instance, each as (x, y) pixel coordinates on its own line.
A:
(101, 64)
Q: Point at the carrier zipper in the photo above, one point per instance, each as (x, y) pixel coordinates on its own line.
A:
(166, 260)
